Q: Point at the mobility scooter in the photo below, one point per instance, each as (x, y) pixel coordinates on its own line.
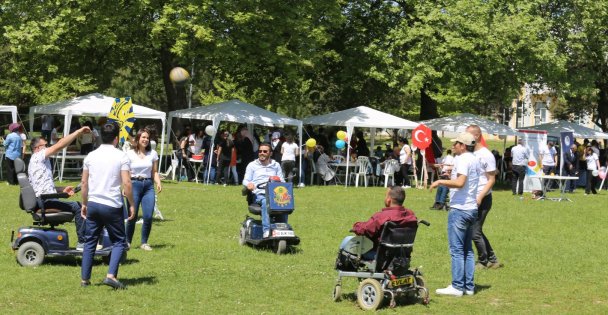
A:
(387, 274)
(33, 243)
(279, 198)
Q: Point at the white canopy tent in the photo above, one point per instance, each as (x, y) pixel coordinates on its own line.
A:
(236, 111)
(459, 123)
(555, 128)
(10, 109)
(96, 105)
(362, 117)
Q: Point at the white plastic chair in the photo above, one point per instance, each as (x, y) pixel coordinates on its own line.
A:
(172, 167)
(361, 169)
(390, 167)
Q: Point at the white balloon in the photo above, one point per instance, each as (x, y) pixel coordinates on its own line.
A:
(210, 130)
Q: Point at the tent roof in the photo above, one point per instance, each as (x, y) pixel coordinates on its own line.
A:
(555, 128)
(11, 109)
(235, 111)
(459, 123)
(92, 105)
(361, 116)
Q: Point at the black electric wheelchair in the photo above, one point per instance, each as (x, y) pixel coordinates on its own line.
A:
(42, 239)
(387, 274)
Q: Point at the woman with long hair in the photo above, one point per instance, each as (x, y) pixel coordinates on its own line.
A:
(144, 170)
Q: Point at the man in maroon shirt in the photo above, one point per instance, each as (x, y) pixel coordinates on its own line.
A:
(372, 228)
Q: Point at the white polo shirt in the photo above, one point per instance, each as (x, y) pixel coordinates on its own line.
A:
(487, 162)
(289, 151)
(465, 198)
(104, 166)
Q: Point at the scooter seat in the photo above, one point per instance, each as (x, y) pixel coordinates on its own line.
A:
(255, 208)
(53, 218)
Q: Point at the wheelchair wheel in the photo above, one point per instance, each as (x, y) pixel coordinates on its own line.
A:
(369, 294)
(30, 254)
(337, 294)
(281, 247)
(242, 236)
(423, 292)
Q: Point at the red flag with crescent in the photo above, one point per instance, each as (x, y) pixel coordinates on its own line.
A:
(422, 137)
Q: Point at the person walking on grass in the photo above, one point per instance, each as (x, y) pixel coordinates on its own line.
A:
(144, 174)
(105, 170)
(462, 215)
(486, 258)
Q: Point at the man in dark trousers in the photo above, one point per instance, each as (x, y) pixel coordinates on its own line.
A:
(571, 167)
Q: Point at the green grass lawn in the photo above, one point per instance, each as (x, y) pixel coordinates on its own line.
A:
(554, 256)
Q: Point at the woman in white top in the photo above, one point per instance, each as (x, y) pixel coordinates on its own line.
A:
(289, 151)
(144, 169)
(593, 165)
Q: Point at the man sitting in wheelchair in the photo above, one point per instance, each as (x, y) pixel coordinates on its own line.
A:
(368, 233)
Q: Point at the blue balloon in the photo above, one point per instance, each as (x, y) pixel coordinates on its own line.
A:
(340, 144)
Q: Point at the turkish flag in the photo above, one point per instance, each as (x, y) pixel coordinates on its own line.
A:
(422, 137)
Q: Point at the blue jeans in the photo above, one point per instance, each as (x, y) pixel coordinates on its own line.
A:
(143, 194)
(98, 217)
(460, 234)
(261, 200)
(211, 174)
(73, 207)
(441, 194)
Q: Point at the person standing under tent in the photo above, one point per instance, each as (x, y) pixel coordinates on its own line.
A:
(224, 155)
(47, 127)
(276, 144)
(244, 149)
(105, 170)
(571, 167)
(486, 258)
(144, 174)
(519, 156)
(405, 160)
(289, 151)
(13, 148)
(462, 215)
(548, 158)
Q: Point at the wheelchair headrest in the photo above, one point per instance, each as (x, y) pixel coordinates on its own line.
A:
(19, 166)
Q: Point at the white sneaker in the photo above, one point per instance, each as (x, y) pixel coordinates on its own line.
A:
(467, 292)
(266, 234)
(449, 290)
(406, 187)
(140, 221)
(300, 185)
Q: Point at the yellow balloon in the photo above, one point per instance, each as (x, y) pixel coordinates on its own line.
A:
(341, 135)
(311, 143)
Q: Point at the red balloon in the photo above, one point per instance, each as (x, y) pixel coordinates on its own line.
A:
(422, 137)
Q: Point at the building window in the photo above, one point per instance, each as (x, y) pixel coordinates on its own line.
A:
(520, 114)
(540, 113)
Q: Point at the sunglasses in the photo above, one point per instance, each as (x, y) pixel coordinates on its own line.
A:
(263, 151)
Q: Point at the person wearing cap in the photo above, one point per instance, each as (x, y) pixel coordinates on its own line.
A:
(519, 155)
(13, 148)
(486, 258)
(40, 175)
(462, 215)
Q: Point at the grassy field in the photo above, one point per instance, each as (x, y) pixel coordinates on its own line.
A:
(554, 256)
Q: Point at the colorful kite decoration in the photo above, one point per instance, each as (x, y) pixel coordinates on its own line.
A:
(122, 113)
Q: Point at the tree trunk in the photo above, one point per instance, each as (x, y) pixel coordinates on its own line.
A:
(428, 106)
(602, 106)
(176, 94)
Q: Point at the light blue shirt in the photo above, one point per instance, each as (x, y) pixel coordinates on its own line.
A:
(257, 173)
(520, 155)
(13, 145)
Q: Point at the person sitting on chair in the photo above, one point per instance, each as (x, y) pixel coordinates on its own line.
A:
(40, 176)
(393, 212)
(258, 172)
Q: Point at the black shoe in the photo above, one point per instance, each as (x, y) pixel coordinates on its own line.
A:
(117, 285)
(434, 207)
(85, 284)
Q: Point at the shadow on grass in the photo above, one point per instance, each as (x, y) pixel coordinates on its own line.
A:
(481, 287)
(139, 281)
(291, 250)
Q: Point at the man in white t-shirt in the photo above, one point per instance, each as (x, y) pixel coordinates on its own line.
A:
(40, 175)
(105, 170)
(405, 161)
(548, 158)
(289, 151)
(485, 254)
(463, 186)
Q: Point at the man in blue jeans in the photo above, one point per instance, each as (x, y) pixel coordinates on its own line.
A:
(462, 215)
(105, 170)
(258, 172)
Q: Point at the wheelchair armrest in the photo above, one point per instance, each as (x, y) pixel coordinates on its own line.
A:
(54, 196)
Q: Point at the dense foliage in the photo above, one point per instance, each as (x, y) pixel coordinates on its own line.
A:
(418, 59)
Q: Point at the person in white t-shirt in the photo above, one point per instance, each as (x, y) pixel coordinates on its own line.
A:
(441, 195)
(463, 186)
(548, 158)
(486, 258)
(289, 151)
(593, 165)
(105, 170)
(144, 174)
(405, 161)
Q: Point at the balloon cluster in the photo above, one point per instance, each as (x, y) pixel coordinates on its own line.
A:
(342, 139)
(602, 172)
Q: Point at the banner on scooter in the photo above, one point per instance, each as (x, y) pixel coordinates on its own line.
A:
(280, 196)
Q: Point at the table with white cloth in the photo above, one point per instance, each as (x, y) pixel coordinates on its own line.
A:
(561, 180)
(197, 165)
